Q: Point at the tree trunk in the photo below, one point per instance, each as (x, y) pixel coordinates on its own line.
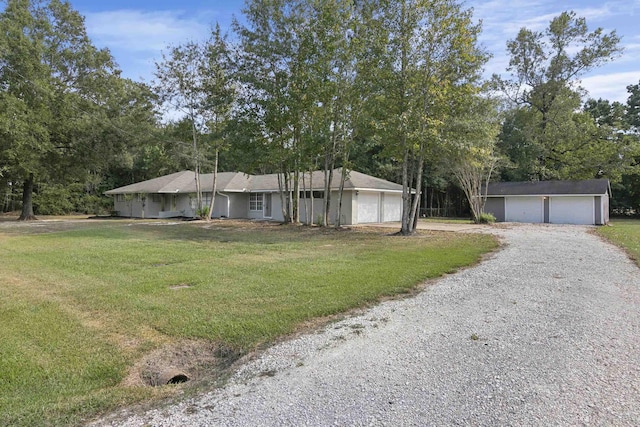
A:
(196, 167)
(27, 200)
(215, 186)
(295, 214)
(343, 178)
(406, 192)
(305, 201)
(285, 194)
(413, 220)
(311, 197)
(326, 214)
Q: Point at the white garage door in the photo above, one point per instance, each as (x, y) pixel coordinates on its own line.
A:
(571, 210)
(368, 207)
(524, 209)
(392, 207)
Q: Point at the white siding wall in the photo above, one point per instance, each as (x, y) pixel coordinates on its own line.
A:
(220, 205)
(133, 208)
(126, 208)
(317, 209)
(362, 208)
(346, 214)
(183, 205)
(239, 205)
(152, 208)
(276, 208)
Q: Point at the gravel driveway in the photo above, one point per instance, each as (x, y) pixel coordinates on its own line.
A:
(545, 332)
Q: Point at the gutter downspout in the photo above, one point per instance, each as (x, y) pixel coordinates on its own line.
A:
(228, 201)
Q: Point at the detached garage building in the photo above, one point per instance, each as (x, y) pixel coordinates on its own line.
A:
(555, 202)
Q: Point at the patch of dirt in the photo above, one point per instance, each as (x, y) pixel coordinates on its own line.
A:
(180, 286)
(237, 224)
(196, 359)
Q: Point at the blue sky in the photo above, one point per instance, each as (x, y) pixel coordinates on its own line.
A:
(136, 31)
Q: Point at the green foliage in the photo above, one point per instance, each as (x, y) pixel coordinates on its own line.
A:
(485, 218)
(470, 152)
(202, 212)
(59, 199)
(194, 79)
(619, 123)
(632, 115)
(83, 302)
(546, 136)
(429, 68)
(545, 64)
(63, 104)
(53, 200)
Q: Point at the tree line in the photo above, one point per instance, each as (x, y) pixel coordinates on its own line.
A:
(392, 88)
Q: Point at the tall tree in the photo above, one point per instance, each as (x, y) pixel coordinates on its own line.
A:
(51, 78)
(272, 75)
(301, 64)
(430, 62)
(545, 69)
(221, 98)
(470, 152)
(182, 84)
(334, 62)
(619, 124)
(632, 115)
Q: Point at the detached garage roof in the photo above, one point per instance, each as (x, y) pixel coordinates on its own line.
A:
(591, 187)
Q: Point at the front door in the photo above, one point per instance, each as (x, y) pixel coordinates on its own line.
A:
(266, 205)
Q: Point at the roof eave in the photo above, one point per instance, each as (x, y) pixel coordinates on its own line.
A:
(549, 195)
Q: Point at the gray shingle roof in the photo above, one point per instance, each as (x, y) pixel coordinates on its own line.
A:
(546, 188)
(355, 180)
(184, 182)
(164, 184)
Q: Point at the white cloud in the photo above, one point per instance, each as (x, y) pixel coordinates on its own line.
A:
(140, 31)
(611, 86)
(502, 19)
(136, 38)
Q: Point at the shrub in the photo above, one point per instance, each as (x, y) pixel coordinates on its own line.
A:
(57, 199)
(202, 212)
(485, 218)
(52, 200)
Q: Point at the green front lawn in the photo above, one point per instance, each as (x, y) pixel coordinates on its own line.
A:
(626, 234)
(82, 304)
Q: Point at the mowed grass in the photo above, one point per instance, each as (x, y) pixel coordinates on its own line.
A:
(81, 304)
(626, 234)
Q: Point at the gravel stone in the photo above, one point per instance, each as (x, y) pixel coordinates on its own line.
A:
(544, 332)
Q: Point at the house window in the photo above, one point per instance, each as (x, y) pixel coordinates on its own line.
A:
(119, 197)
(156, 198)
(307, 194)
(206, 200)
(255, 202)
